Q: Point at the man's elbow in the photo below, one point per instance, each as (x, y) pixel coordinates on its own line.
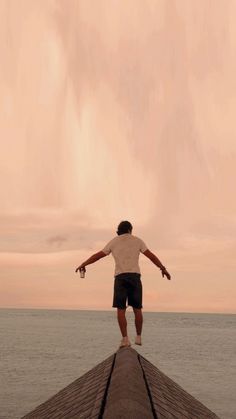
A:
(148, 254)
(100, 255)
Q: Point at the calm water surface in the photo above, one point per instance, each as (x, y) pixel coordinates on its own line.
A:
(43, 351)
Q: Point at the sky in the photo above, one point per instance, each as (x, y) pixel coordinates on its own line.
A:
(116, 111)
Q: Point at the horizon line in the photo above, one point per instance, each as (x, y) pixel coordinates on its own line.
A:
(113, 310)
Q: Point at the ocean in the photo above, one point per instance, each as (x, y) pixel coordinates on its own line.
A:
(42, 351)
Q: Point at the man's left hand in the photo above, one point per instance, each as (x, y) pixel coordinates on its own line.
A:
(165, 273)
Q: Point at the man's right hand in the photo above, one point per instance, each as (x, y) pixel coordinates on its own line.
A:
(164, 272)
(80, 267)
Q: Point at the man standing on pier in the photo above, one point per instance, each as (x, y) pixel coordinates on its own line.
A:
(125, 249)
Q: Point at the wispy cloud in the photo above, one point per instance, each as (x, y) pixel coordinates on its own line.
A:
(110, 112)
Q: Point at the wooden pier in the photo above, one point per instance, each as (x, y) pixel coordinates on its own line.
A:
(123, 386)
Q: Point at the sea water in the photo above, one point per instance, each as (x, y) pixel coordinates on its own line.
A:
(42, 351)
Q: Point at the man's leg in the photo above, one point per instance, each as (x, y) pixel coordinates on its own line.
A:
(122, 321)
(135, 300)
(138, 320)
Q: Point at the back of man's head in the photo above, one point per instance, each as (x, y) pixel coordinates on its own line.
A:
(124, 227)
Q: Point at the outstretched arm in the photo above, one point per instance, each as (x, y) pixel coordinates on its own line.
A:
(157, 262)
(92, 259)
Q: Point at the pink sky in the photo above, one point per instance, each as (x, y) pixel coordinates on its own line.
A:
(117, 111)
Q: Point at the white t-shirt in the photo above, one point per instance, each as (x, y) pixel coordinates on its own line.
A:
(125, 250)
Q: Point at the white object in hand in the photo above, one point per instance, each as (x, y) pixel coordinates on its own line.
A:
(82, 273)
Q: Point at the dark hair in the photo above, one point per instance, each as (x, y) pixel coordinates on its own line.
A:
(124, 227)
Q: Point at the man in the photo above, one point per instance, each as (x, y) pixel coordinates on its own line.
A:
(125, 249)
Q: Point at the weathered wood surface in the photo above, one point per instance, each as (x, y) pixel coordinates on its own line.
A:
(124, 386)
(81, 399)
(169, 400)
(127, 395)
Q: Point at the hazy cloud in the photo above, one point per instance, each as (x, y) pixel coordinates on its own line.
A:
(111, 112)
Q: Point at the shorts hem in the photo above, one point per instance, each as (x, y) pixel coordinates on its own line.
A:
(129, 305)
(119, 307)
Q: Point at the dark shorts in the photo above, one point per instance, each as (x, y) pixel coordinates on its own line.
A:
(127, 285)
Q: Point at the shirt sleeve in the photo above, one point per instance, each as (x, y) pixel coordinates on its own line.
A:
(107, 248)
(143, 246)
